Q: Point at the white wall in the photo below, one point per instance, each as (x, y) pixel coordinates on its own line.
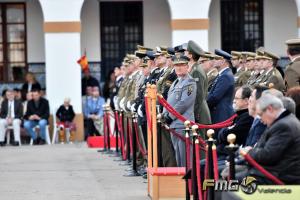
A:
(157, 28)
(35, 32)
(280, 24)
(214, 32)
(90, 26)
(157, 23)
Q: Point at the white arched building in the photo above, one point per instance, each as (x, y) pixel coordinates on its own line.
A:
(47, 37)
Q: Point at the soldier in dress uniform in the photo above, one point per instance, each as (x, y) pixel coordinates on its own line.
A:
(292, 72)
(236, 65)
(201, 110)
(271, 76)
(181, 97)
(253, 64)
(207, 62)
(163, 85)
(220, 97)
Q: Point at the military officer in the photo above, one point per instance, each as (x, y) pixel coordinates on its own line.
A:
(163, 85)
(208, 64)
(201, 111)
(271, 74)
(236, 64)
(292, 72)
(220, 97)
(181, 97)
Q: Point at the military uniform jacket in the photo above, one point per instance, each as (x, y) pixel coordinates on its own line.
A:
(122, 90)
(211, 76)
(220, 97)
(181, 97)
(165, 82)
(201, 110)
(130, 90)
(242, 78)
(274, 77)
(292, 74)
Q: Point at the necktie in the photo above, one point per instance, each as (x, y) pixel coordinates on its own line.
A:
(9, 110)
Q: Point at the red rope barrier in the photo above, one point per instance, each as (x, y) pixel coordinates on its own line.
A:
(198, 168)
(143, 151)
(188, 157)
(215, 162)
(261, 169)
(165, 104)
(105, 130)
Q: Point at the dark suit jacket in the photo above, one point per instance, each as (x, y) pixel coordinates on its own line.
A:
(18, 108)
(255, 132)
(24, 90)
(241, 126)
(65, 115)
(278, 149)
(220, 97)
(42, 110)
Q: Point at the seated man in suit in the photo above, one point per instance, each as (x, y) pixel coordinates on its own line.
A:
(37, 114)
(278, 149)
(93, 114)
(11, 114)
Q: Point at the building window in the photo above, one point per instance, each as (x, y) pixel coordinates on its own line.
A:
(121, 31)
(242, 24)
(13, 62)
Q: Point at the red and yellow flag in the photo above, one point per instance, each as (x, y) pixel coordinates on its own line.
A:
(83, 62)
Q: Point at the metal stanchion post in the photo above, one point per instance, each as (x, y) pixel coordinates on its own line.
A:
(159, 142)
(105, 129)
(210, 143)
(194, 172)
(187, 170)
(231, 148)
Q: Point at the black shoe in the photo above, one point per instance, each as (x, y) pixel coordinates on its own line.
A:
(16, 143)
(42, 142)
(36, 141)
(2, 144)
(145, 176)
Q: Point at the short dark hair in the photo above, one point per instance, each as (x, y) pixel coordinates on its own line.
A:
(259, 90)
(246, 92)
(36, 90)
(295, 50)
(17, 90)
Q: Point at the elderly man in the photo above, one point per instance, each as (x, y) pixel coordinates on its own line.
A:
(11, 114)
(181, 97)
(278, 149)
(37, 114)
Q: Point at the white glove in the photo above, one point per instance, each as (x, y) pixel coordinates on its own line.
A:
(122, 104)
(132, 108)
(115, 100)
(140, 113)
(128, 106)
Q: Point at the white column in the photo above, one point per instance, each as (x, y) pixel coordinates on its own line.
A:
(190, 21)
(62, 50)
(298, 20)
(62, 29)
